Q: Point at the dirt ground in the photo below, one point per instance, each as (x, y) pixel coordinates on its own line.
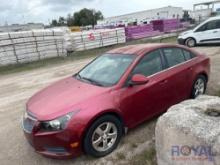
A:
(16, 88)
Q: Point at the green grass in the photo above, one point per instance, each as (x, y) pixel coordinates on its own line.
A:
(148, 157)
(73, 56)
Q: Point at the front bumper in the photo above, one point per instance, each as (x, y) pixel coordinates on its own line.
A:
(57, 144)
(181, 41)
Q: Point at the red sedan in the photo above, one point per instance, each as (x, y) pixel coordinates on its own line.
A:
(90, 111)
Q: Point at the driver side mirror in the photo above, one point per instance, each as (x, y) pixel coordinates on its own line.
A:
(138, 79)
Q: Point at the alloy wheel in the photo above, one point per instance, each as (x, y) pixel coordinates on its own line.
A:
(199, 87)
(191, 42)
(104, 136)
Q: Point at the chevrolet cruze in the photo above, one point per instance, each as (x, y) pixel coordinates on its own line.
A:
(90, 111)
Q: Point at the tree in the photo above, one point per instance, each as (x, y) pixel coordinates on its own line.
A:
(61, 21)
(87, 17)
(76, 19)
(70, 20)
(83, 17)
(98, 16)
(186, 15)
(54, 23)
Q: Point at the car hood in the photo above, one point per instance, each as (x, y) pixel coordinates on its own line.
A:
(62, 97)
(186, 33)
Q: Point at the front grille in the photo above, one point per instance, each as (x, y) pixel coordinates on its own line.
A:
(29, 122)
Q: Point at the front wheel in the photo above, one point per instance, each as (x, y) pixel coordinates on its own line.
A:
(190, 42)
(199, 86)
(103, 136)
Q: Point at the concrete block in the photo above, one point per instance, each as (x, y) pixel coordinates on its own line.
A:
(189, 133)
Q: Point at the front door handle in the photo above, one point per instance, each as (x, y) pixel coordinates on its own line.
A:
(163, 82)
(215, 32)
(190, 68)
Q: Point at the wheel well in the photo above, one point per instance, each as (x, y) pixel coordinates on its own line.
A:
(109, 113)
(205, 75)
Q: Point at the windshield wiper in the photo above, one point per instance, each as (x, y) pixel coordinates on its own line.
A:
(78, 75)
(88, 80)
(92, 81)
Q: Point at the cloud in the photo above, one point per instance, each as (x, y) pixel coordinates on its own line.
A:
(4, 6)
(20, 11)
(23, 11)
(65, 2)
(60, 5)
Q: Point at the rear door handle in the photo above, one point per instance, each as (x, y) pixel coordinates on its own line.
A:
(190, 68)
(215, 32)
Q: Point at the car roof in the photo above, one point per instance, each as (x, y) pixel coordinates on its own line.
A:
(140, 49)
(214, 18)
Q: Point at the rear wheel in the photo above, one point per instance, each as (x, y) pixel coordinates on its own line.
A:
(103, 136)
(199, 86)
(190, 42)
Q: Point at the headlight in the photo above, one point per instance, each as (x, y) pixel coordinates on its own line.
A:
(57, 124)
(182, 34)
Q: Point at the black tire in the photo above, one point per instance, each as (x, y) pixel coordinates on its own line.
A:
(190, 42)
(199, 78)
(87, 143)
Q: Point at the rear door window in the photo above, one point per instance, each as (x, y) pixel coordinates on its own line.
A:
(188, 55)
(173, 56)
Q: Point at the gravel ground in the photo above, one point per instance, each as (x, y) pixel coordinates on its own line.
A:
(16, 88)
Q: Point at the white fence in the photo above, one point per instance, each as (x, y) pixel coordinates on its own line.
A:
(26, 46)
(94, 39)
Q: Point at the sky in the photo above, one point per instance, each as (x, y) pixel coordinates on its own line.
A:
(43, 11)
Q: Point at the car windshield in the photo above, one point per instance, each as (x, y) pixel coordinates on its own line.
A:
(106, 70)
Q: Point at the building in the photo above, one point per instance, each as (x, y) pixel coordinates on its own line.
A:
(143, 17)
(202, 11)
(21, 27)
